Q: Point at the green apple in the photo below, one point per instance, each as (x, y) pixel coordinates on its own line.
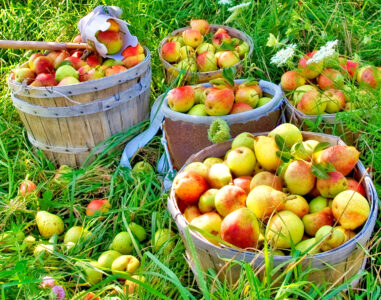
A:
(66, 71)
(206, 202)
(198, 110)
(262, 101)
(243, 139)
(241, 161)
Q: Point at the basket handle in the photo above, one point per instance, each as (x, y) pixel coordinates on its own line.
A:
(33, 45)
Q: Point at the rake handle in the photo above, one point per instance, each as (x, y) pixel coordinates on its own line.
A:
(32, 45)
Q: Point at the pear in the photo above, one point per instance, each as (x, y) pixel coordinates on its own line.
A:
(197, 167)
(278, 252)
(351, 209)
(219, 175)
(285, 229)
(138, 231)
(164, 240)
(299, 178)
(43, 248)
(125, 263)
(297, 204)
(198, 110)
(330, 187)
(211, 161)
(330, 237)
(289, 132)
(75, 233)
(312, 222)
(309, 245)
(243, 139)
(106, 259)
(122, 243)
(266, 178)
(93, 276)
(265, 149)
(49, 224)
(343, 158)
(263, 200)
(206, 202)
(241, 161)
(262, 101)
(319, 203)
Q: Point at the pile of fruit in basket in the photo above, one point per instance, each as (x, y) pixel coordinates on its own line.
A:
(197, 51)
(71, 67)
(328, 86)
(277, 189)
(222, 98)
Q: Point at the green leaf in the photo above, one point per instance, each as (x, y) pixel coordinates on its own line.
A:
(321, 146)
(284, 156)
(250, 81)
(321, 170)
(280, 142)
(45, 201)
(229, 74)
(299, 148)
(227, 46)
(281, 168)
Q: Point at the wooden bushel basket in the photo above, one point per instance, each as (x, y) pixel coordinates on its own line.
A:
(67, 122)
(186, 134)
(171, 72)
(334, 266)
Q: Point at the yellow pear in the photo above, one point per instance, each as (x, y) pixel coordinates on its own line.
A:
(265, 149)
(49, 224)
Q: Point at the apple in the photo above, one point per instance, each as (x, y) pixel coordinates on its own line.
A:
(98, 206)
(181, 99)
(24, 75)
(133, 51)
(27, 187)
(227, 59)
(369, 75)
(192, 37)
(221, 36)
(68, 80)
(206, 62)
(201, 25)
(112, 40)
(243, 182)
(115, 69)
(330, 78)
(291, 80)
(42, 64)
(355, 186)
(240, 107)
(247, 95)
(228, 199)
(335, 100)
(219, 102)
(93, 60)
(312, 70)
(189, 186)
(209, 222)
(241, 161)
(45, 79)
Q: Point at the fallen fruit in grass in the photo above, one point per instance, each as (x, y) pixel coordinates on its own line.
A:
(92, 273)
(206, 202)
(244, 139)
(331, 186)
(370, 76)
(66, 71)
(289, 132)
(112, 40)
(192, 37)
(312, 103)
(343, 158)
(355, 186)
(122, 243)
(297, 204)
(247, 95)
(309, 246)
(201, 25)
(75, 233)
(27, 187)
(61, 176)
(330, 79)
(45, 249)
(98, 206)
(164, 239)
(240, 228)
(310, 70)
(181, 99)
(319, 203)
(266, 178)
(189, 186)
(49, 224)
(138, 231)
(209, 222)
(143, 167)
(263, 200)
(241, 161)
(285, 229)
(228, 199)
(91, 296)
(24, 75)
(291, 80)
(106, 259)
(130, 286)
(191, 212)
(351, 209)
(329, 237)
(265, 149)
(312, 222)
(219, 102)
(219, 175)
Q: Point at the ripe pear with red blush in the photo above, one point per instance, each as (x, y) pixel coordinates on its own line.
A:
(132, 61)
(331, 186)
(27, 187)
(297, 204)
(291, 80)
(133, 51)
(112, 40)
(299, 178)
(228, 199)
(32, 58)
(240, 108)
(243, 182)
(206, 62)
(219, 102)
(75, 62)
(349, 66)
(94, 60)
(24, 75)
(312, 222)
(219, 175)
(312, 103)
(171, 51)
(181, 99)
(227, 59)
(343, 158)
(354, 185)
(247, 95)
(240, 228)
(114, 70)
(241, 161)
(209, 222)
(266, 178)
(189, 186)
(60, 58)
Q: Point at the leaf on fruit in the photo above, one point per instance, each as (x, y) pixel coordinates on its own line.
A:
(250, 82)
(284, 156)
(65, 63)
(321, 170)
(229, 74)
(299, 148)
(280, 142)
(280, 169)
(226, 46)
(321, 146)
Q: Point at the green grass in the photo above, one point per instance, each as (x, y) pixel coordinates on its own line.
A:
(137, 198)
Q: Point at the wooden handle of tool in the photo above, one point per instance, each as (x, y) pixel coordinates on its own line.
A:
(31, 45)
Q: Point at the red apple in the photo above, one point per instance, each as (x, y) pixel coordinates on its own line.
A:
(45, 79)
(189, 186)
(243, 182)
(32, 58)
(291, 80)
(311, 70)
(181, 99)
(356, 186)
(348, 66)
(42, 64)
(171, 51)
(75, 62)
(369, 76)
(330, 78)
(114, 70)
(219, 102)
(93, 60)
(101, 205)
(240, 107)
(112, 40)
(133, 51)
(131, 61)
(77, 39)
(221, 36)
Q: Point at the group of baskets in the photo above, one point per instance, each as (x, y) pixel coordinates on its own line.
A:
(67, 123)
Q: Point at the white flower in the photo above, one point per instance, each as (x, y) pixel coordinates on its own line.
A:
(239, 6)
(324, 51)
(283, 55)
(224, 2)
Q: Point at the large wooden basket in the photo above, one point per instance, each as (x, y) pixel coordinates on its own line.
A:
(335, 266)
(67, 122)
(171, 72)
